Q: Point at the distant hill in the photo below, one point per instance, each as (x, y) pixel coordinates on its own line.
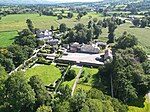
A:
(120, 0)
(54, 1)
(24, 2)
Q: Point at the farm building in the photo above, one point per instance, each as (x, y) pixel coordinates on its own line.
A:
(89, 49)
(44, 35)
(53, 42)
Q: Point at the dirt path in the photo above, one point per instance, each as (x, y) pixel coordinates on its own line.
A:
(148, 57)
(75, 83)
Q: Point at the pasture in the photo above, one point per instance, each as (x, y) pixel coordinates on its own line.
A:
(143, 34)
(18, 22)
(7, 38)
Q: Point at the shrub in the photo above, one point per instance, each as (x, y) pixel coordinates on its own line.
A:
(70, 75)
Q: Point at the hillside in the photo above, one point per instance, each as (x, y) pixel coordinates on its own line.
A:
(24, 2)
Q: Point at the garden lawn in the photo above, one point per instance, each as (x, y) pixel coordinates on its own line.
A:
(88, 85)
(84, 87)
(47, 73)
(7, 38)
(71, 83)
(90, 72)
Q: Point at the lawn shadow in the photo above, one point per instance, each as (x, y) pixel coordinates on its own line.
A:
(138, 102)
(14, 38)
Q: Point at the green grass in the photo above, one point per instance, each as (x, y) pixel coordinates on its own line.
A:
(7, 38)
(119, 12)
(71, 83)
(87, 86)
(72, 22)
(18, 22)
(84, 87)
(143, 34)
(146, 107)
(90, 71)
(47, 73)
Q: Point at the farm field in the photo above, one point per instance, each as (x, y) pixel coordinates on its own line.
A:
(72, 22)
(47, 73)
(7, 38)
(119, 12)
(141, 33)
(18, 22)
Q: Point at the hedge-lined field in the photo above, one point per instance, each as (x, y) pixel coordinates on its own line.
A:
(47, 73)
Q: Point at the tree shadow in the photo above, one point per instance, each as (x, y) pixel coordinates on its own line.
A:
(133, 27)
(12, 38)
(138, 102)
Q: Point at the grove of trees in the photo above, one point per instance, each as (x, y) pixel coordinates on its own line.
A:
(128, 72)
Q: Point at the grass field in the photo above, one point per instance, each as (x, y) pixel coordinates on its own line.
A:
(84, 87)
(146, 107)
(119, 12)
(91, 72)
(143, 34)
(7, 38)
(47, 73)
(18, 22)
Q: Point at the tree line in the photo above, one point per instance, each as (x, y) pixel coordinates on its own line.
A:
(144, 22)
(85, 33)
